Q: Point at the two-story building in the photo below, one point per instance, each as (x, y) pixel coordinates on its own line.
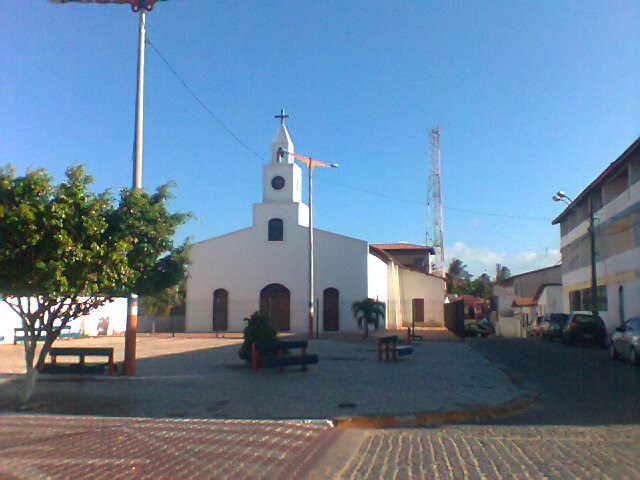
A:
(614, 199)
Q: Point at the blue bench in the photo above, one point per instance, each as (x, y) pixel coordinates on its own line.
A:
(389, 345)
(19, 334)
(266, 354)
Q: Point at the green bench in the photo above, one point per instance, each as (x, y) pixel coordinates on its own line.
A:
(81, 366)
(266, 354)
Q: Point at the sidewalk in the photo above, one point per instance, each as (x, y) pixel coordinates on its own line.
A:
(196, 376)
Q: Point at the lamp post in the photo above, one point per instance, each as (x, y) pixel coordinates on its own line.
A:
(311, 164)
(142, 6)
(560, 196)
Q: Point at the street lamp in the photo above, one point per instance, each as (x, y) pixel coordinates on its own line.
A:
(311, 164)
(560, 196)
(142, 6)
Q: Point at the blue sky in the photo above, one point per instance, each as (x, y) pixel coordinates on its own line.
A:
(530, 97)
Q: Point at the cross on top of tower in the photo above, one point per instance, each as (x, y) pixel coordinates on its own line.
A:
(282, 116)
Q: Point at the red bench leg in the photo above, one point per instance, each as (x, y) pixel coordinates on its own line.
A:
(254, 358)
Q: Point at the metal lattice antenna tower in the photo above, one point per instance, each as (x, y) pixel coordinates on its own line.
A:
(434, 205)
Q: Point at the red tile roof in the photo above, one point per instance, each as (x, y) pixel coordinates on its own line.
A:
(403, 246)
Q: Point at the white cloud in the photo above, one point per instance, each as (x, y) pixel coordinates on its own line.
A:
(483, 259)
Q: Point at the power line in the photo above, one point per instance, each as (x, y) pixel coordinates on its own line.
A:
(202, 104)
(418, 202)
(351, 187)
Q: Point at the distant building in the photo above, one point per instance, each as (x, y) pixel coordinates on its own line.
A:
(265, 267)
(615, 198)
(517, 298)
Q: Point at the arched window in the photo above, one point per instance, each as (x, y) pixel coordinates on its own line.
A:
(276, 230)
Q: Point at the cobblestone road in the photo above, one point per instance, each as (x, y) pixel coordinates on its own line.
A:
(498, 452)
(58, 447)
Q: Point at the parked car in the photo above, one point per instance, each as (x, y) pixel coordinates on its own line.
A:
(533, 329)
(585, 327)
(625, 341)
(552, 324)
(478, 329)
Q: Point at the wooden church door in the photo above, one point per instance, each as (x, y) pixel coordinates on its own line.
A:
(220, 310)
(275, 301)
(331, 310)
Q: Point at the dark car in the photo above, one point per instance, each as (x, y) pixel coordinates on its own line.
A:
(585, 327)
(625, 342)
(552, 324)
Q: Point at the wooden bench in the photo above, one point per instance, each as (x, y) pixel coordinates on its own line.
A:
(82, 366)
(19, 334)
(391, 348)
(265, 354)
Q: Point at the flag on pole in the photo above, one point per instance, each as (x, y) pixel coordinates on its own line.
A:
(136, 5)
(308, 161)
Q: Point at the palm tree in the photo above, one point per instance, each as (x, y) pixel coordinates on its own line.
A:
(457, 276)
(369, 310)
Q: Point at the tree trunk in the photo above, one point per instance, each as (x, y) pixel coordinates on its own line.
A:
(29, 385)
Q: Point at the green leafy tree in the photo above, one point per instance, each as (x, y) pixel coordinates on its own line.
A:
(481, 286)
(66, 251)
(259, 328)
(368, 311)
(163, 303)
(503, 274)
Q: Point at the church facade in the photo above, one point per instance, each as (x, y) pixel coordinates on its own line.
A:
(266, 267)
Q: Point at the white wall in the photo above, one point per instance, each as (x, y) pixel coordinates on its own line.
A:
(115, 311)
(511, 327)
(244, 262)
(550, 300)
(377, 278)
(428, 287)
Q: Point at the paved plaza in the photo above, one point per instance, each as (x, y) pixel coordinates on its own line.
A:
(195, 411)
(202, 377)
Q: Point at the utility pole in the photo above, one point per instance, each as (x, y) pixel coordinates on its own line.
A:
(130, 338)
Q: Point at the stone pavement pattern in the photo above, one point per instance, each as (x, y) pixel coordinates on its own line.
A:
(59, 447)
(202, 377)
(497, 452)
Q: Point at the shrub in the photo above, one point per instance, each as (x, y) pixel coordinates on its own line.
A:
(258, 328)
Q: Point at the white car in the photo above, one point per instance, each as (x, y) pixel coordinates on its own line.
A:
(625, 342)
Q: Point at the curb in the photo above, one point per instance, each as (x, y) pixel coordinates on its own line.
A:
(430, 418)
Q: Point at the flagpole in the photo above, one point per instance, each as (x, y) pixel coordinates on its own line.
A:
(310, 164)
(129, 367)
(311, 266)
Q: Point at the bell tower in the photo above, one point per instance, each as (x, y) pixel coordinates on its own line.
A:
(282, 178)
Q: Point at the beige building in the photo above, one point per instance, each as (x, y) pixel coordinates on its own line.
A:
(614, 197)
(518, 299)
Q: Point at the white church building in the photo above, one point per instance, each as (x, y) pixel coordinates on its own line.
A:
(265, 267)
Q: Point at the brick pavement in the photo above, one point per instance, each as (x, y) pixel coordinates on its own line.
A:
(60, 447)
(497, 452)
